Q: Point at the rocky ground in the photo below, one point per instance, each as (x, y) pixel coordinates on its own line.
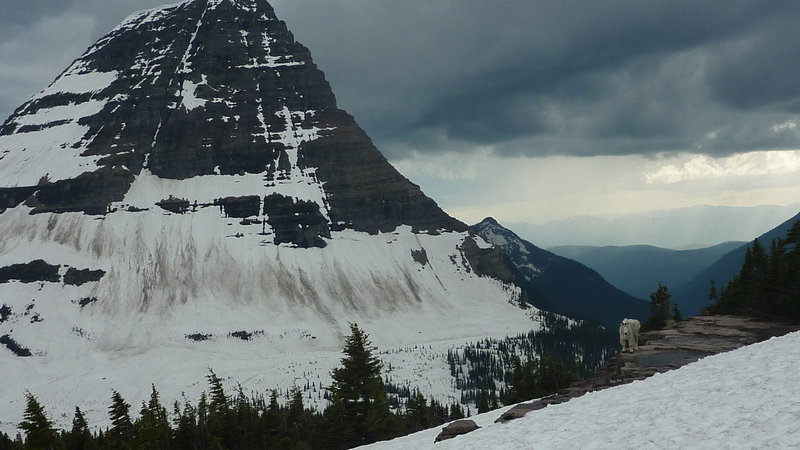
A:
(662, 350)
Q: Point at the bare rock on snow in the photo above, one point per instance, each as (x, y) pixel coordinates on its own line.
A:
(457, 428)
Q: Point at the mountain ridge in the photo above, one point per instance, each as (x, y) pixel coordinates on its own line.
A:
(679, 229)
(562, 285)
(638, 269)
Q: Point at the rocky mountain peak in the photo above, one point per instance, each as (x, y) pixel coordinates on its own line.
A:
(203, 88)
(187, 195)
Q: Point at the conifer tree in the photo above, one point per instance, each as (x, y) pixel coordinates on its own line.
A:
(483, 402)
(713, 293)
(219, 417)
(768, 284)
(121, 432)
(152, 430)
(659, 308)
(297, 419)
(6, 442)
(359, 411)
(80, 437)
(39, 431)
(456, 411)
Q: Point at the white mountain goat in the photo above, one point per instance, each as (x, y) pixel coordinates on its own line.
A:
(629, 334)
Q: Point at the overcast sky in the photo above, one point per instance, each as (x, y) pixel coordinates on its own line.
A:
(527, 110)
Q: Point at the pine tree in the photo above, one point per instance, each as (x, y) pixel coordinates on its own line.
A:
(677, 315)
(39, 431)
(767, 285)
(713, 294)
(219, 412)
(483, 402)
(297, 420)
(659, 308)
(121, 432)
(6, 443)
(456, 411)
(152, 430)
(359, 411)
(416, 413)
(80, 437)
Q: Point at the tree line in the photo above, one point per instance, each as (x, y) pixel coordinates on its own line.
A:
(360, 409)
(768, 283)
(359, 413)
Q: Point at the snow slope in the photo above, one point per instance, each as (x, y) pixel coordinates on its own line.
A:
(747, 398)
(295, 302)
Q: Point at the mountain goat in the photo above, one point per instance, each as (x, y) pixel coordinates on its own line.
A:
(629, 334)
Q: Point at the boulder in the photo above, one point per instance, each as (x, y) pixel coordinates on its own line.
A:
(457, 428)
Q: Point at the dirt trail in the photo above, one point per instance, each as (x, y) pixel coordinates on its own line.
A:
(663, 350)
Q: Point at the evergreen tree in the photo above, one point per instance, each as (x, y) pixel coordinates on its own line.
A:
(416, 413)
(483, 402)
(80, 438)
(677, 315)
(297, 419)
(120, 434)
(713, 294)
(152, 430)
(768, 284)
(456, 411)
(553, 375)
(202, 420)
(523, 381)
(6, 443)
(273, 421)
(219, 413)
(659, 308)
(39, 431)
(359, 411)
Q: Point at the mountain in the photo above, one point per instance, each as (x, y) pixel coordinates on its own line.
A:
(681, 228)
(701, 405)
(186, 195)
(562, 285)
(693, 296)
(638, 269)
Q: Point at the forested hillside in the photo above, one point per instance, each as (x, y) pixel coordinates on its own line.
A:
(768, 283)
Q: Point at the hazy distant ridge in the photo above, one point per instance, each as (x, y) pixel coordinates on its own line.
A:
(637, 269)
(684, 228)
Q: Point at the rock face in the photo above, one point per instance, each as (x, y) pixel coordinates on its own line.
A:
(559, 284)
(202, 88)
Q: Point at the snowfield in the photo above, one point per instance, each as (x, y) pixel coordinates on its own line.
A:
(746, 398)
(222, 281)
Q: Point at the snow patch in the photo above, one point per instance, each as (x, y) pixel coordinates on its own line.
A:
(746, 398)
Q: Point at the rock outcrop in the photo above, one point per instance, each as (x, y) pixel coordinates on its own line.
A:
(457, 428)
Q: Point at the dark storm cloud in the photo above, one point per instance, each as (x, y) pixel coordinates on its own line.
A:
(535, 77)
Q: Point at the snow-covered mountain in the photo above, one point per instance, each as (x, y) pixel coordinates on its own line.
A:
(746, 398)
(187, 195)
(559, 284)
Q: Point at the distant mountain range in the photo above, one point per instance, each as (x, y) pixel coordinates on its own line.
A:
(680, 229)
(637, 269)
(561, 285)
